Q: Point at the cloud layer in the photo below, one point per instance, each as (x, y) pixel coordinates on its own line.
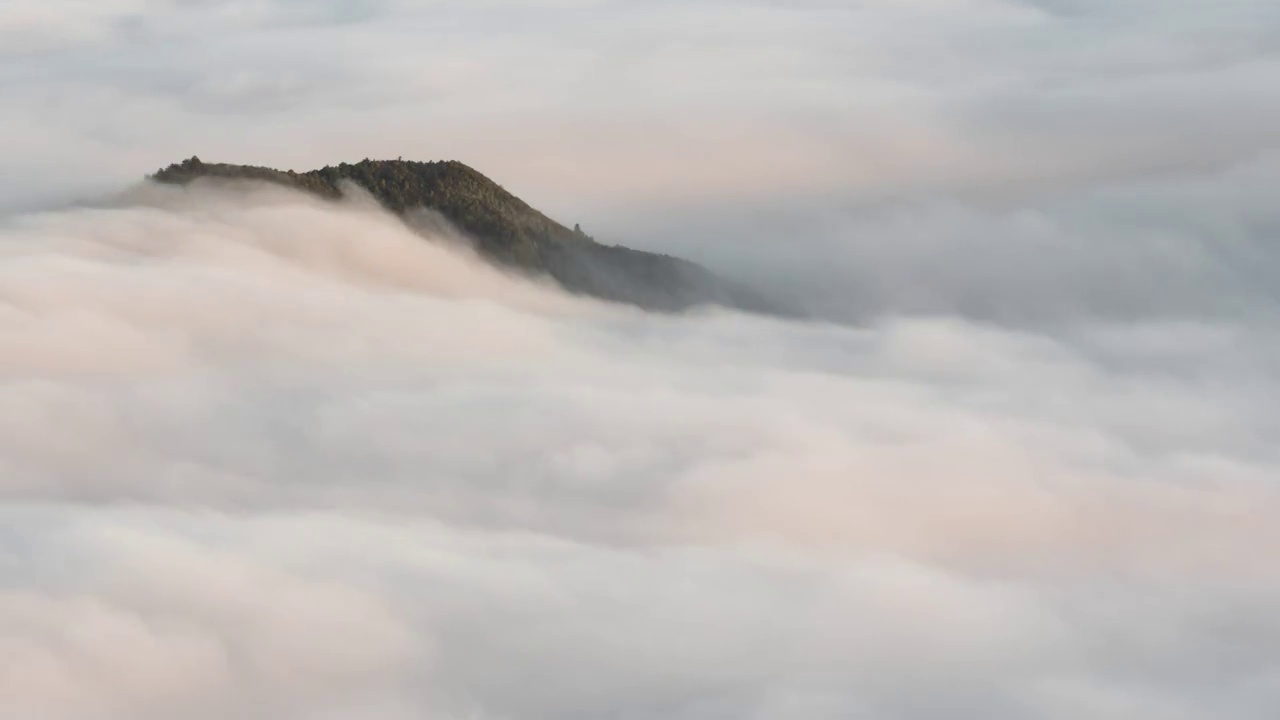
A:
(580, 104)
(264, 457)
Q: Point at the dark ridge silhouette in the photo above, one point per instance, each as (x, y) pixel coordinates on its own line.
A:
(506, 230)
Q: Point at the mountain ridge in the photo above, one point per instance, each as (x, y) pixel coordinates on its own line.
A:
(507, 230)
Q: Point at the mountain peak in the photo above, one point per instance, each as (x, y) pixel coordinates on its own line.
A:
(506, 229)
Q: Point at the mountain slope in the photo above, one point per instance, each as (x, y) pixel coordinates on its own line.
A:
(506, 229)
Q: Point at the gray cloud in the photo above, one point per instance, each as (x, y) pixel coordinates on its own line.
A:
(1191, 247)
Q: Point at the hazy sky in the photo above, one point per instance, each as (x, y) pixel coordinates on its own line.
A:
(268, 458)
(580, 105)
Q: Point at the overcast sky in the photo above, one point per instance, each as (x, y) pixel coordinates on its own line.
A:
(583, 104)
(269, 458)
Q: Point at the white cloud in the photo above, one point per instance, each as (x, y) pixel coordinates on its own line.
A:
(265, 457)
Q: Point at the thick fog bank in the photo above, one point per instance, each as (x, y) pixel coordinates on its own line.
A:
(262, 457)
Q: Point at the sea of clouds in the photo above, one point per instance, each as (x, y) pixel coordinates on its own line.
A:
(266, 457)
